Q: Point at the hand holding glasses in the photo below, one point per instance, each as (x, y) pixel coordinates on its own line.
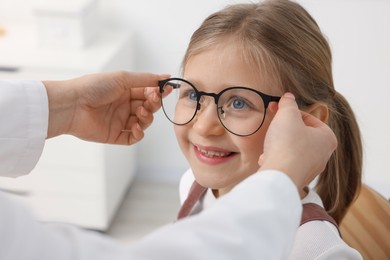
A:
(240, 110)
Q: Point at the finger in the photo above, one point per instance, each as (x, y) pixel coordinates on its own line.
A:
(145, 117)
(134, 106)
(138, 81)
(141, 80)
(150, 90)
(136, 134)
(153, 102)
(288, 104)
(131, 121)
(137, 94)
(167, 91)
(288, 101)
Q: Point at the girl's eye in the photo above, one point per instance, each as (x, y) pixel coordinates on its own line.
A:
(188, 93)
(238, 103)
(192, 95)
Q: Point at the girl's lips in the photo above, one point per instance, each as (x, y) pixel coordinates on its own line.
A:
(212, 155)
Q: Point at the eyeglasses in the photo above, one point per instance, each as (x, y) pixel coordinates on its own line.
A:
(240, 110)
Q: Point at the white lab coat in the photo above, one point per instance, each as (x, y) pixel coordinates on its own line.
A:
(232, 229)
(314, 240)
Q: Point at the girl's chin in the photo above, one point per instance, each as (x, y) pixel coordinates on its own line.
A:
(215, 183)
(206, 181)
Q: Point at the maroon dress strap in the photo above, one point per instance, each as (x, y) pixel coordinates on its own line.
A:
(195, 193)
(312, 211)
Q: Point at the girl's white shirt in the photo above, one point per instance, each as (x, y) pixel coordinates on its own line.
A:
(23, 129)
(314, 240)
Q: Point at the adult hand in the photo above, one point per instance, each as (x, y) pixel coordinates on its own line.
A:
(113, 107)
(296, 143)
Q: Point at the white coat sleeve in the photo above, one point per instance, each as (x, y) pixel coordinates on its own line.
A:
(23, 125)
(256, 220)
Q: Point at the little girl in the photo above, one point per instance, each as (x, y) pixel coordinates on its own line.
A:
(240, 61)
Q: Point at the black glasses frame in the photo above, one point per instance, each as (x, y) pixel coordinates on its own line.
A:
(199, 94)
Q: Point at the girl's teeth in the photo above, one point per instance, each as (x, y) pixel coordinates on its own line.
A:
(212, 153)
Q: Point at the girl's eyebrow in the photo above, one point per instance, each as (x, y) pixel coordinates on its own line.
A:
(194, 82)
(199, 85)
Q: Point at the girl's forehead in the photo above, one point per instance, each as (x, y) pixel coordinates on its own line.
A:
(225, 65)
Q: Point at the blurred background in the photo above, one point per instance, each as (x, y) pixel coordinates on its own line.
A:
(59, 39)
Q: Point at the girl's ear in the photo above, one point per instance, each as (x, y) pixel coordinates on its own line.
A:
(319, 110)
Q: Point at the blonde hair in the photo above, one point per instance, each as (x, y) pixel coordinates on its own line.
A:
(280, 38)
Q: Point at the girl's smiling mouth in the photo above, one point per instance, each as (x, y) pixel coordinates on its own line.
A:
(212, 155)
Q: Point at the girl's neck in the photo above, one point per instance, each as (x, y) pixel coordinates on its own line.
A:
(303, 193)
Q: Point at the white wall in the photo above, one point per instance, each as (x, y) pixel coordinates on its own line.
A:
(358, 31)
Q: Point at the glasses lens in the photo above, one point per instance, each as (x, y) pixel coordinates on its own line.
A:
(179, 102)
(241, 110)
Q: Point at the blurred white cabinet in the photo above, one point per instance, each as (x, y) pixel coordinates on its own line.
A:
(75, 182)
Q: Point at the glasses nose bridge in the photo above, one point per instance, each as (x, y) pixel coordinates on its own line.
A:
(213, 95)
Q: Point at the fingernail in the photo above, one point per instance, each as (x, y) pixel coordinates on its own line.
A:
(139, 127)
(155, 97)
(147, 91)
(289, 95)
(143, 111)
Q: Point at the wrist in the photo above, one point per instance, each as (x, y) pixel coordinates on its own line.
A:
(62, 102)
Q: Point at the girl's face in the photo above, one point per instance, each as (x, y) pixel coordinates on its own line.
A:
(219, 159)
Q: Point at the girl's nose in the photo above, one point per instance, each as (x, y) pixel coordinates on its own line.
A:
(206, 121)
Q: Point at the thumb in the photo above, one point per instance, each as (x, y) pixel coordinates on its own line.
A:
(288, 104)
(287, 100)
(139, 79)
